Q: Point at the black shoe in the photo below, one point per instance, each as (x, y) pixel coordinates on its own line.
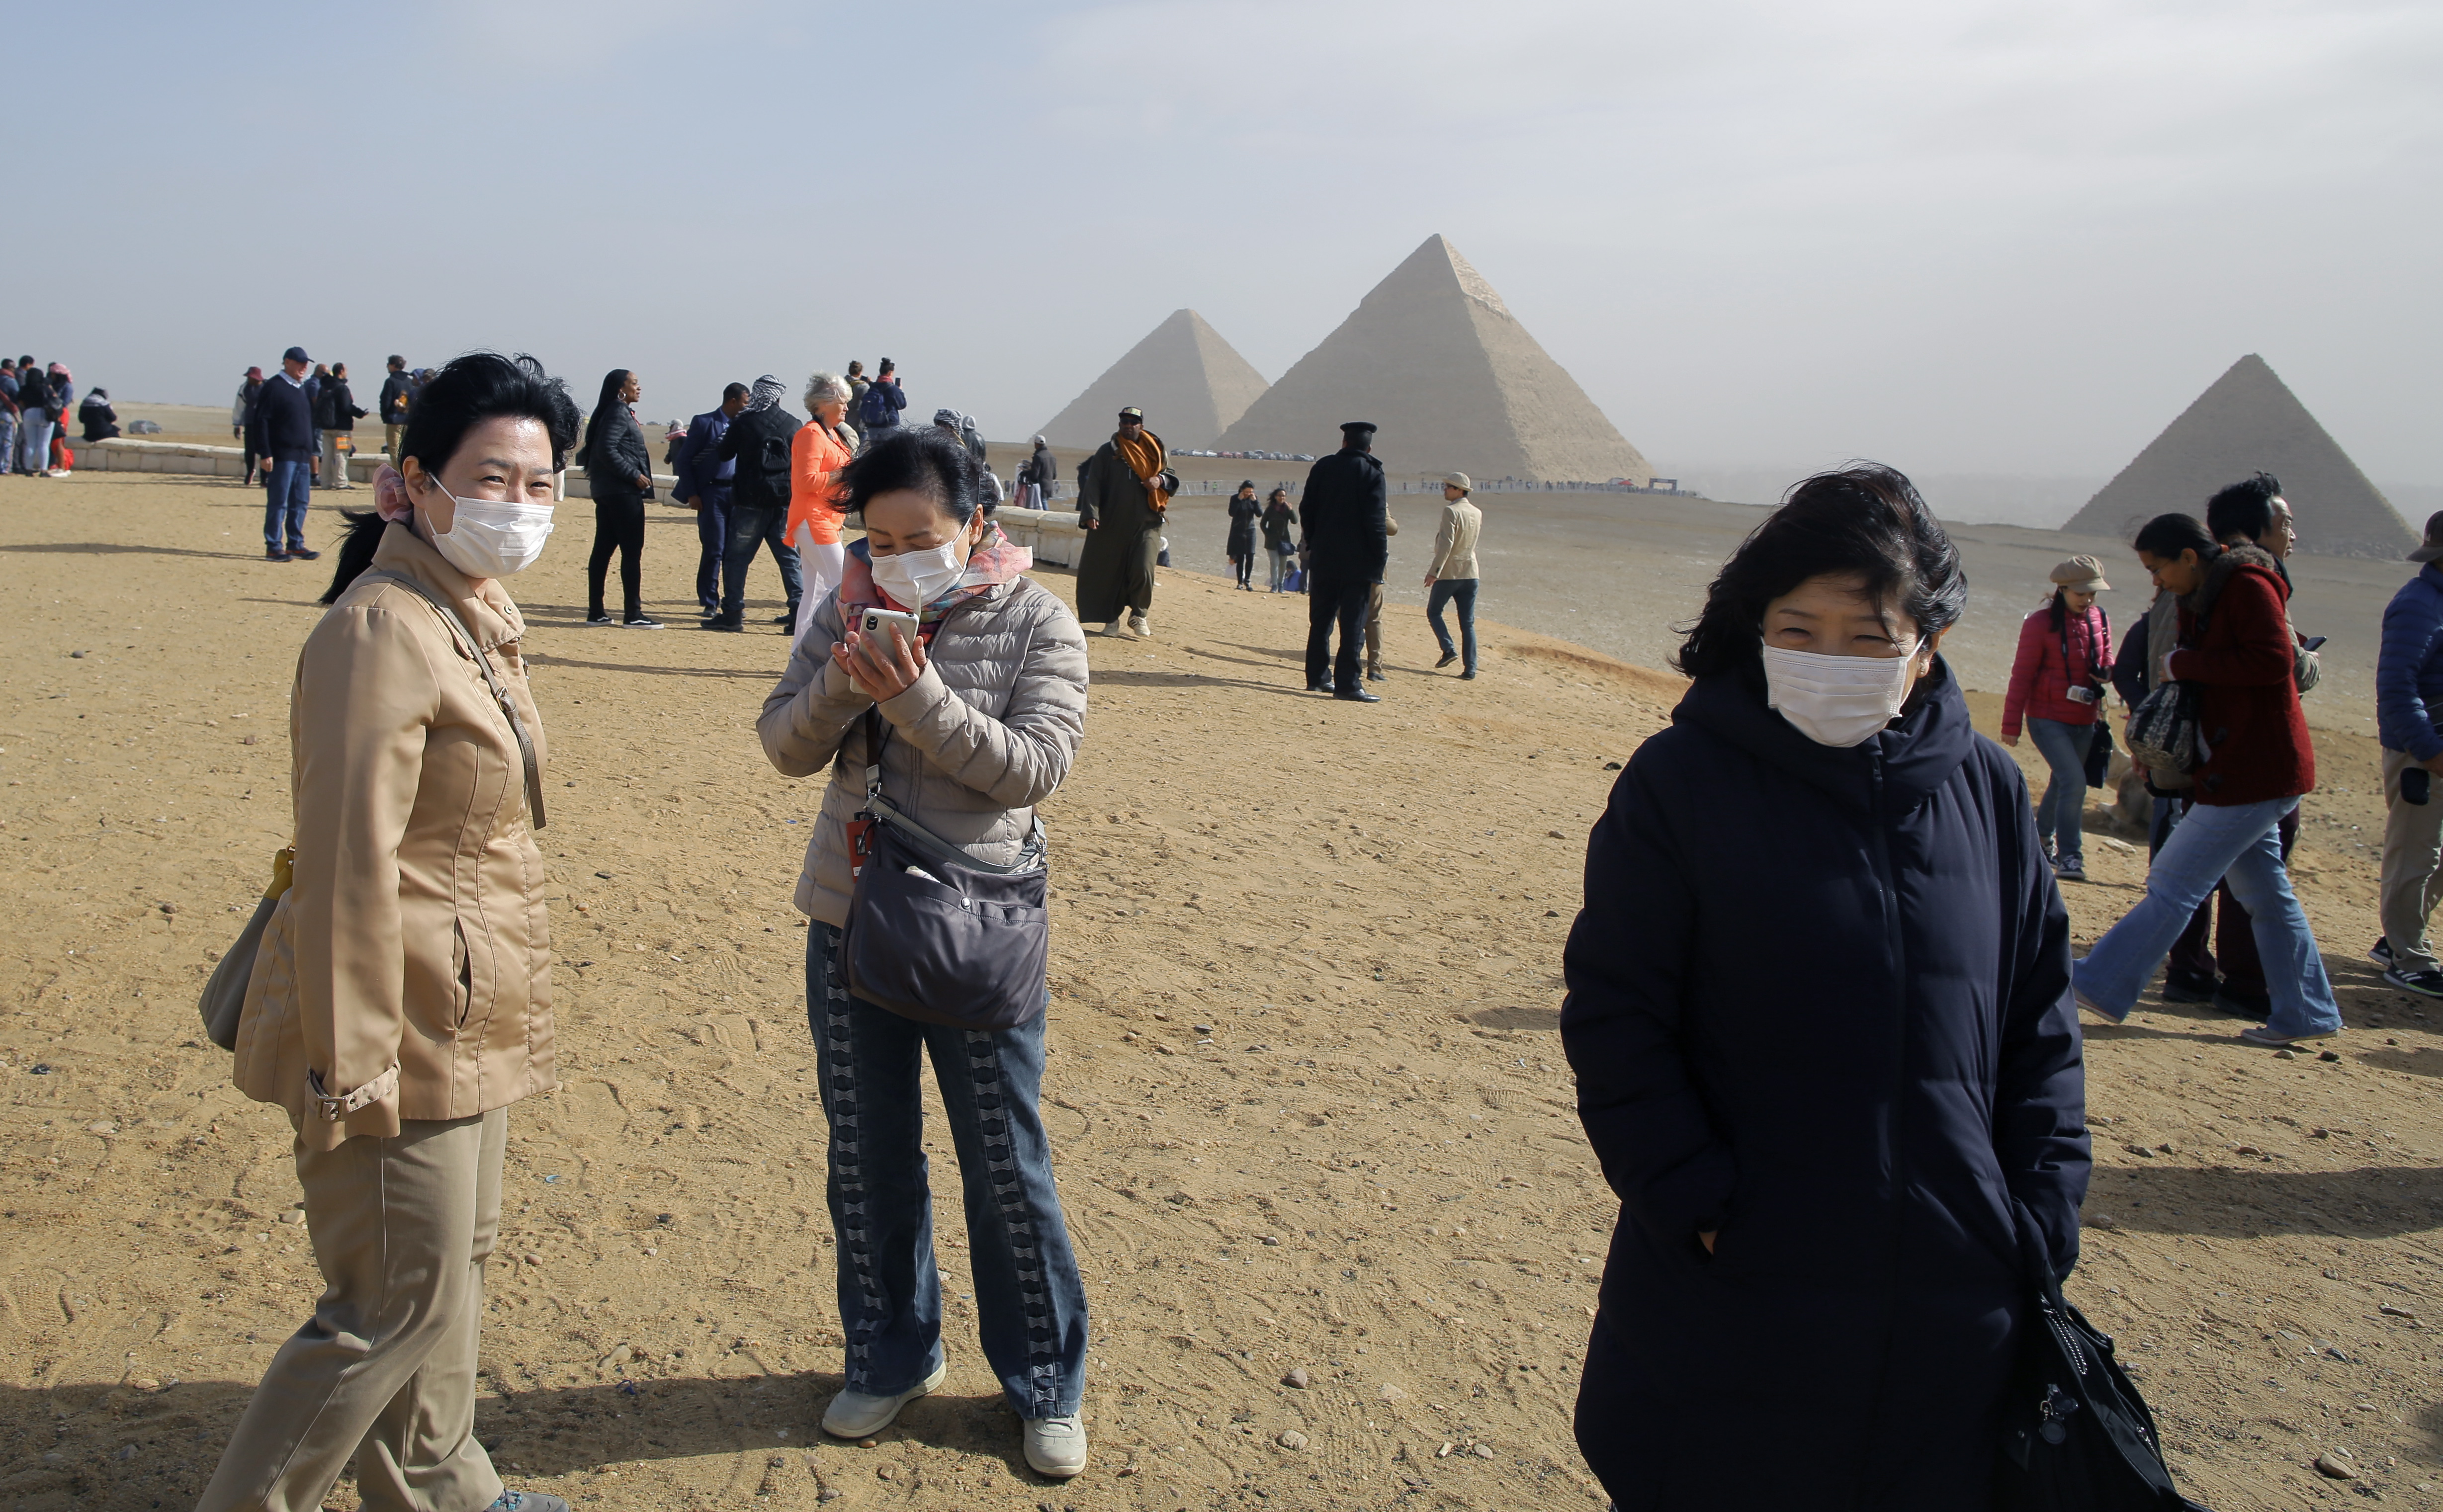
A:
(1375, 676)
(298, 554)
(1324, 687)
(1358, 695)
(2069, 868)
(2180, 987)
(600, 616)
(790, 618)
(2380, 952)
(2425, 984)
(638, 622)
(1468, 676)
(2254, 1007)
(1448, 657)
(707, 611)
(731, 626)
(273, 554)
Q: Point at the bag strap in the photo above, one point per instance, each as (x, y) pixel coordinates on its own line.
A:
(499, 690)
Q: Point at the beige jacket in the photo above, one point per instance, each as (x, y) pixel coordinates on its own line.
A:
(1455, 543)
(983, 735)
(412, 956)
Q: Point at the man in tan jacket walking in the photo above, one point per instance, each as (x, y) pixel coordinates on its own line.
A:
(1450, 578)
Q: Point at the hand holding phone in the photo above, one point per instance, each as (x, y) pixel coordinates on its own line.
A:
(883, 654)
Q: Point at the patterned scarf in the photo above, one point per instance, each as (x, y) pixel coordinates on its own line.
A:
(765, 392)
(996, 561)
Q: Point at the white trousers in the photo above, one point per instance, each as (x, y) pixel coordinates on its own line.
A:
(823, 566)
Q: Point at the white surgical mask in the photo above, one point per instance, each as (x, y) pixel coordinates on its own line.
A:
(492, 538)
(916, 578)
(1836, 700)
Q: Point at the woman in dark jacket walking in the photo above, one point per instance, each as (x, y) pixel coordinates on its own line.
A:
(1240, 548)
(1813, 1297)
(1278, 520)
(618, 468)
(2253, 763)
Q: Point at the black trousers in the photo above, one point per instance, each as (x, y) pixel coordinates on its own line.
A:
(619, 527)
(1330, 599)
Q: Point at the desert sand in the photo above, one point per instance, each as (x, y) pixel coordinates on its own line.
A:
(1308, 1100)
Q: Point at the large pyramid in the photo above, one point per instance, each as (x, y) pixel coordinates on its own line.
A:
(2250, 421)
(1189, 382)
(1434, 357)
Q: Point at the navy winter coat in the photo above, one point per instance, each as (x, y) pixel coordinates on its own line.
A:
(2408, 668)
(1818, 1001)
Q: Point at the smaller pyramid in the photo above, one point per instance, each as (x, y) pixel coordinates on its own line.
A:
(2250, 422)
(1190, 383)
(1434, 357)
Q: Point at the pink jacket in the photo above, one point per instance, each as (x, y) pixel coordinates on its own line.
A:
(2040, 684)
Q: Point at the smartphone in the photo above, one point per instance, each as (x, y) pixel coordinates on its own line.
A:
(882, 623)
(2314, 642)
(2416, 784)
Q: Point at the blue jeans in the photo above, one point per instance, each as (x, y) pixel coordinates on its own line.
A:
(2236, 842)
(1030, 1301)
(291, 492)
(34, 442)
(1280, 564)
(712, 538)
(7, 442)
(1459, 590)
(750, 526)
(2064, 808)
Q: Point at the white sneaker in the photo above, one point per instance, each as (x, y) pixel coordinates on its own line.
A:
(1056, 1446)
(1118, 629)
(854, 1414)
(1142, 625)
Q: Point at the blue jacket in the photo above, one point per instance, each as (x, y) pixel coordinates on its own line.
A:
(2408, 668)
(704, 477)
(282, 427)
(1867, 1127)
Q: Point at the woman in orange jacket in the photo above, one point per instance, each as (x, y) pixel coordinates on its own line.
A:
(816, 453)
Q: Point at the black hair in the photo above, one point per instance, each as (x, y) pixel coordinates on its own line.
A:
(2165, 537)
(2244, 508)
(928, 458)
(397, 361)
(736, 390)
(612, 382)
(1864, 521)
(886, 366)
(467, 390)
(1281, 494)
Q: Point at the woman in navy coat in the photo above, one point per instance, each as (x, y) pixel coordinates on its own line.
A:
(1819, 1011)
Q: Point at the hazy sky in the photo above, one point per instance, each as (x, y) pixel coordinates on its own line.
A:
(1963, 236)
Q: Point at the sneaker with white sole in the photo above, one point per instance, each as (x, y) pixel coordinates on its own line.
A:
(2425, 984)
(2273, 1041)
(855, 1414)
(1118, 629)
(1056, 1446)
(1142, 625)
(2380, 952)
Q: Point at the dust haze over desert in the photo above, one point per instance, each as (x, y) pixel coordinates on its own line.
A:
(2065, 267)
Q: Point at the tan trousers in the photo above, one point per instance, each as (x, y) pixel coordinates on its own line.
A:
(385, 1369)
(390, 442)
(2412, 850)
(1374, 629)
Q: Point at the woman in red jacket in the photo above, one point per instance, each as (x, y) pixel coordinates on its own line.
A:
(2057, 685)
(2253, 763)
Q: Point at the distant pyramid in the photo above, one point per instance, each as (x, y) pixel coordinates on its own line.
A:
(2248, 422)
(1434, 357)
(1189, 382)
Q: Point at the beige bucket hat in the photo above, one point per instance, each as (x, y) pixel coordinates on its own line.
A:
(2083, 574)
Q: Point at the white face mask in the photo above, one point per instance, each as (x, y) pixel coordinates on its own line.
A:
(916, 578)
(492, 538)
(1836, 700)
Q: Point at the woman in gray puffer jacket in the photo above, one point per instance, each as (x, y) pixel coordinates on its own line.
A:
(977, 724)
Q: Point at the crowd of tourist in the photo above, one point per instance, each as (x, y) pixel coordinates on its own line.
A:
(1887, 1168)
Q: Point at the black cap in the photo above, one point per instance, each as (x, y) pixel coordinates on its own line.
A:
(1358, 428)
(295, 355)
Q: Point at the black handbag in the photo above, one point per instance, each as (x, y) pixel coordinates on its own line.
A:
(934, 935)
(2076, 1436)
(2164, 730)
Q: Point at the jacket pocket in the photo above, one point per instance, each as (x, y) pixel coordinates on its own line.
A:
(462, 981)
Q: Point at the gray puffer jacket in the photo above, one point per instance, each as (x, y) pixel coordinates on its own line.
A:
(987, 732)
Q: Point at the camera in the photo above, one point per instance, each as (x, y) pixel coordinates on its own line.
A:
(2083, 695)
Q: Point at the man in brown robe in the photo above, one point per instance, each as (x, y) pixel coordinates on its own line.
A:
(1127, 492)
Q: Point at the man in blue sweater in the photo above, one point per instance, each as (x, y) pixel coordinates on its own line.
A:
(284, 437)
(704, 486)
(2408, 708)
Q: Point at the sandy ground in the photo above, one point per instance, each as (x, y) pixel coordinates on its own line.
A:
(1309, 1105)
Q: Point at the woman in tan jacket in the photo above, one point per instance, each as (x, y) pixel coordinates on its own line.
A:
(401, 998)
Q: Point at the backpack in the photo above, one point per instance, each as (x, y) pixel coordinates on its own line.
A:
(876, 409)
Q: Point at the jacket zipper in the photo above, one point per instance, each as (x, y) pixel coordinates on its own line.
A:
(1899, 951)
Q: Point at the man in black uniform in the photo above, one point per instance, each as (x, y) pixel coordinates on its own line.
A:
(1346, 512)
